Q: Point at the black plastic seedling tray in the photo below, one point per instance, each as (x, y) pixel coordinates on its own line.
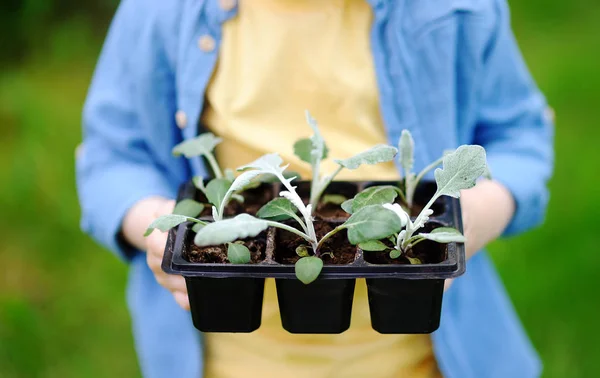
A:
(403, 298)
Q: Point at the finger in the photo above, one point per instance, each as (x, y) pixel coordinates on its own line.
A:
(164, 208)
(154, 261)
(448, 283)
(157, 236)
(155, 244)
(171, 282)
(182, 300)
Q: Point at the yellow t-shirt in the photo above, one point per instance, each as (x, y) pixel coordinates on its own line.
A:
(278, 58)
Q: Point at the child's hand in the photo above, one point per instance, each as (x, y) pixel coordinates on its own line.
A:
(155, 247)
(134, 225)
(487, 209)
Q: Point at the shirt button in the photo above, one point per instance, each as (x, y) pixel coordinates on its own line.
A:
(228, 5)
(206, 43)
(181, 119)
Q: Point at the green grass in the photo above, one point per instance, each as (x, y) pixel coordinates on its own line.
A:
(62, 307)
(550, 272)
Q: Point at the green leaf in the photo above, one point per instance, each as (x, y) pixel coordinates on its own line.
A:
(201, 145)
(318, 149)
(280, 208)
(216, 190)
(372, 245)
(269, 163)
(188, 208)
(166, 222)
(229, 174)
(372, 223)
(308, 269)
(302, 251)
(394, 253)
(375, 195)
(414, 260)
(444, 235)
(238, 198)
(228, 230)
(246, 180)
(460, 171)
(347, 206)
(377, 154)
(303, 148)
(238, 253)
(199, 183)
(270, 179)
(198, 226)
(335, 199)
(255, 182)
(406, 147)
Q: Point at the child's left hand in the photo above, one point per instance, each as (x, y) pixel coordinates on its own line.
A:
(487, 209)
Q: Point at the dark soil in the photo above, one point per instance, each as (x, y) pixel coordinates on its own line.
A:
(218, 254)
(429, 252)
(254, 199)
(330, 211)
(343, 252)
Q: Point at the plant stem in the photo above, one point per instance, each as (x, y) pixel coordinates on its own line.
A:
(315, 183)
(190, 219)
(409, 230)
(317, 189)
(327, 236)
(415, 182)
(410, 243)
(214, 165)
(292, 230)
(304, 211)
(199, 183)
(224, 203)
(400, 193)
(401, 238)
(301, 222)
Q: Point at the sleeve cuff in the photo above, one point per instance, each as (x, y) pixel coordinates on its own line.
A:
(530, 197)
(110, 194)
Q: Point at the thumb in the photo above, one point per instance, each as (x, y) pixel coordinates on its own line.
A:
(166, 207)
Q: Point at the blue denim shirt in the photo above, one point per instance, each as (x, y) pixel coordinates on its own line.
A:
(448, 70)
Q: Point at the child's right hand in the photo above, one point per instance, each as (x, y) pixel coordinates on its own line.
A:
(134, 225)
(155, 247)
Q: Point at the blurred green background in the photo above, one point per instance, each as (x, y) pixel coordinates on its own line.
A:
(62, 307)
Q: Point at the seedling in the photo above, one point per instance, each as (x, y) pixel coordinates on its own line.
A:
(313, 150)
(204, 145)
(217, 191)
(388, 193)
(408, 182)
(361, 226)
(460, 171)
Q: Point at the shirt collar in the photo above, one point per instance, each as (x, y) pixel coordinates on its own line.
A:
(219, 11)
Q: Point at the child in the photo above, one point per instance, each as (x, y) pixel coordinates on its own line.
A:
(448, 71)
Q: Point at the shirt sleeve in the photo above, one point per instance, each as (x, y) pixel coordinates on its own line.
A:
(114, 166)
(515, 126)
